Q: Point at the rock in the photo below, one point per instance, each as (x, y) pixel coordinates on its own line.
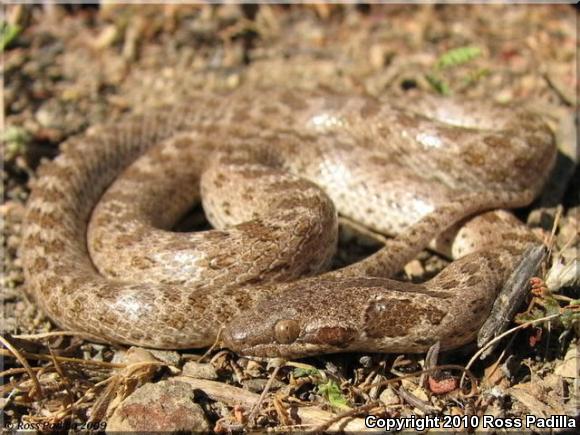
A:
(199, 371)
(167, 356)
(377, 56)
(253, 369)
(136, 354)
(258, 385)
(166, 406)
(570, 367)
(555, 383)
(414, 269)
(389, 397)
(420, 394)
(133, 355)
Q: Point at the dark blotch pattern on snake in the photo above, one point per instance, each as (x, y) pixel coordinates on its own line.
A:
(273, 169)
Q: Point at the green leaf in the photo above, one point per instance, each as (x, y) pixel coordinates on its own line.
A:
(9, 33)
(524, 318)
(331, 391)
(552, 306)
(438, 84)
(301, 372)
(15, 139)
(569, 317)
(457, 56)
(475, 76)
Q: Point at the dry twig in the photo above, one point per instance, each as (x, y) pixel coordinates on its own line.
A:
(37, 391)
(499, 337)
(254, 410)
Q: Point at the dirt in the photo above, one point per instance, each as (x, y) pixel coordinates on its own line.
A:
(69, 67)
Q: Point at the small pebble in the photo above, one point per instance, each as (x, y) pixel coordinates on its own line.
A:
(199, 371)
(389, 397)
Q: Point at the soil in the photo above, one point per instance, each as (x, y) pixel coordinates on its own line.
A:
(69, 67)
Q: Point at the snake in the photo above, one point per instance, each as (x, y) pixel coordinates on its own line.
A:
(273, 170)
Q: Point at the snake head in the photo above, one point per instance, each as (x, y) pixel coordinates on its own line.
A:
(312, 316)
(330, 315)
(304, 318)
(286, 336)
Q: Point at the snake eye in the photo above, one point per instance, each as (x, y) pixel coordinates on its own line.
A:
(286, 331)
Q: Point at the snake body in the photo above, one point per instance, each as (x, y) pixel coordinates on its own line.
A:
(273, 169)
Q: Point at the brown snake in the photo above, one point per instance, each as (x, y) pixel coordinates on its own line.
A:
(272, 169)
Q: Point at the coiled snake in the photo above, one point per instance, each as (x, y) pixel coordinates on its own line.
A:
(273, 169)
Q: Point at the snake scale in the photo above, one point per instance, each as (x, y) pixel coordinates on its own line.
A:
(273, 169)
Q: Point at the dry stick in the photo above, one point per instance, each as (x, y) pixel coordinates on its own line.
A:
(552, 236)
(213, 346)
(431, 360)
(377, 237)
(102, 402)
(70, 410)
(549, 241)
(12, 350)
(62, 375)
(465, 371)
(281, 411)
(510, 297)
(92, 389)
(571, 240)
(131, 368)
(289, 428)
(351, 412)
(304, 366)
(413, 400)
(18, 371)
(8, 400)
(563, 95)
(57, 334)
(254, 410)
(372, 379)
(83, 398)
(238, 373)
(496, 364)
(12, 387)
(560, 283)
(217, 355)
(66, 359)
(499, 337)
(220, 392)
